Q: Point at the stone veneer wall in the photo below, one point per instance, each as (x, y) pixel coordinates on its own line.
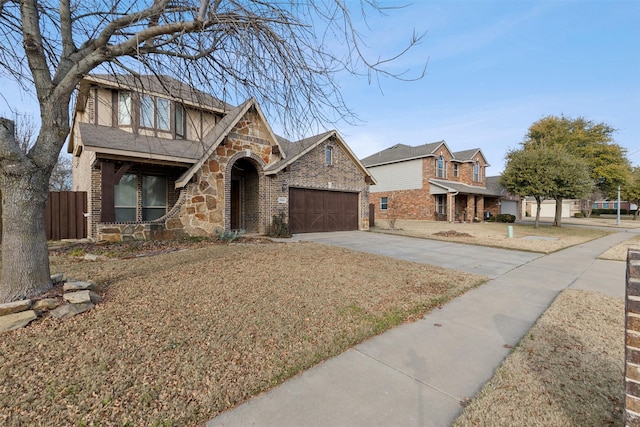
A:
(632, 340)
(207, 205)
(311, 171)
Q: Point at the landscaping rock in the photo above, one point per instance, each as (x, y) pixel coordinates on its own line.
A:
(57, 278)
(15, 307)
(90, 257)
(13, 321)
(70, 310)
(46, 304)
(80, 297)
(79, 286)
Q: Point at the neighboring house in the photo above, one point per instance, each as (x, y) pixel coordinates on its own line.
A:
(613, 204)
(548, 208)
(509, 204)
(430, 182)
(160, 159)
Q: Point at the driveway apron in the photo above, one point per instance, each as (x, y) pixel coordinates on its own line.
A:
(491, 262)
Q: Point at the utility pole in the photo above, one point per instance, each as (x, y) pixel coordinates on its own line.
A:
(618, 216)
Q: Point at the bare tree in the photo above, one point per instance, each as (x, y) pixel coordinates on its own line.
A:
(274, 51)
(25, 133)
(61, 175)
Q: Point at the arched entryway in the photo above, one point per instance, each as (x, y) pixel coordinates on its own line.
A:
(245, 196)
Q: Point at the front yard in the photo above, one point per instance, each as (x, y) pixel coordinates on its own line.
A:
(182, 336)
(545, 239)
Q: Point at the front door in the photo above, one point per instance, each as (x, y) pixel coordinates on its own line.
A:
(235, 204)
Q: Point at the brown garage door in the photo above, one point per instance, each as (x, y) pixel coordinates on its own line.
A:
(317, 210)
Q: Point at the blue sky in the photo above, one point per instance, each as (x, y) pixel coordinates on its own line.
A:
(494, 68)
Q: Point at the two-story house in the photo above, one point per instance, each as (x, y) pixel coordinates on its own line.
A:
(160, 159)
(430, 182)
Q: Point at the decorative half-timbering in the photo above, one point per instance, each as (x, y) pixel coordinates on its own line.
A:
(159, 159)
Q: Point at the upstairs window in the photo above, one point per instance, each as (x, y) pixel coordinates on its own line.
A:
(180, 122)
(147, 111)
(384, 203)
(163, 114)
(455, 170)
(155, 113)
(124, 108)
(476, 172)
(440, 167)
(328, 154)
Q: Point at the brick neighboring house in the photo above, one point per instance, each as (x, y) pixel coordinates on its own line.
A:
(160, 159)
(430, 182)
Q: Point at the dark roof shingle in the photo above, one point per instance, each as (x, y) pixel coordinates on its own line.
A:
(400, 152)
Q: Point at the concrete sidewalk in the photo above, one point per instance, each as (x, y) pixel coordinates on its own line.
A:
(418, 373)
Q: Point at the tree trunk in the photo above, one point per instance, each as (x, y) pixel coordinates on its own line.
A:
(538, 208)
(24, 180)
(25, 256)
(557, 221)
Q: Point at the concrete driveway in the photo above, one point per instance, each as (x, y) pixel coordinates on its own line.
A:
(491, 262)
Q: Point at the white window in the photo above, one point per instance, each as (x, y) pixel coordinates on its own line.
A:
(384, 203)
(124, 108)
(455, 169)
(147, 111)
(441, 204)
(328, 155)
(440, 167)
(163, 114)
(154, 197)
(476, 172)
(180, 124)
(125, 198)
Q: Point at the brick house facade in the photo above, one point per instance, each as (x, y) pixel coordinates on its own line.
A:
(430, 182)
(162, 160)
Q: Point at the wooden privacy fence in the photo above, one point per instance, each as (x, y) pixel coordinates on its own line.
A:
(63, 217)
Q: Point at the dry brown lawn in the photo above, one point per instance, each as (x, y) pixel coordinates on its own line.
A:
(619, 252)
(545, 239)
(182, 336)
(567, 371)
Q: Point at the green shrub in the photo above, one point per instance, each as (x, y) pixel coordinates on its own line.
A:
(279, 226)
(610, 211)
(579, 215)
(505, 218)
(492, 218)
(228, 236)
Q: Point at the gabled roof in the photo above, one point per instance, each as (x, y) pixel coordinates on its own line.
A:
(463, 188)
(220, 131)
(113, 141)
(295, 150)
(401, 152)
(468, 156)
(161, 85)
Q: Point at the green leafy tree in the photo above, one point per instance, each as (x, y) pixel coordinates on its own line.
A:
(571, 180)
(527, 173)
(631, 191)
(281, 53)
(587, 140)
(543, 173)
